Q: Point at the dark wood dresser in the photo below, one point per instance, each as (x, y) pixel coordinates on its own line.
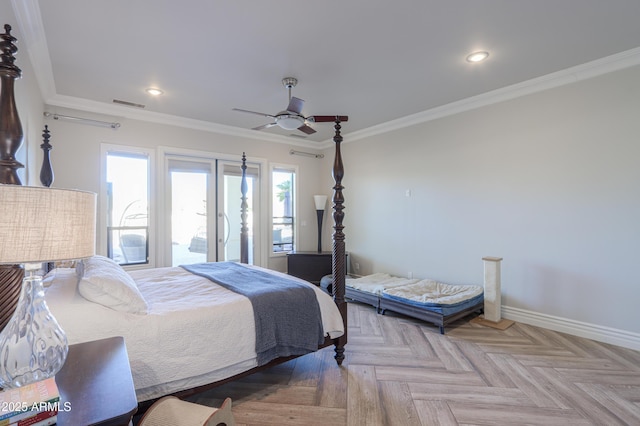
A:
(309, 265)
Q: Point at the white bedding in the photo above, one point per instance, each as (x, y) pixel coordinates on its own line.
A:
(434, 292)
(195, 332)
(377, 283)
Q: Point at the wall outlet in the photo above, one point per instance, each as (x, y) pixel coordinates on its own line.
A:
(356, 266)
(409, 274)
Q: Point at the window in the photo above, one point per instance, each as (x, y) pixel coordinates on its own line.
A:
(283, 190)
(190, 205)
(127, 207)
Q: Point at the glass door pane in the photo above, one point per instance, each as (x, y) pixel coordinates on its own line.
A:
(230, 215)
(283, 207)
(127, 212)
(189, 227)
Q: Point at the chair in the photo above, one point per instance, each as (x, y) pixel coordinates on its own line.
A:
(171, 411)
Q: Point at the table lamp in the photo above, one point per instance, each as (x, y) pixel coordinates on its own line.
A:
(39, 225)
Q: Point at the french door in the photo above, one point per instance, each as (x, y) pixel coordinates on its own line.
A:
(203, 203)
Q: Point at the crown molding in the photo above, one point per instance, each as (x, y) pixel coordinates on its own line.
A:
(30, 22)
(124, 112)
(581, 72)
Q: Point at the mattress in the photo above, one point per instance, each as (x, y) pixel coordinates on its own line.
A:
(430, 292)
(436, 296)
(195, 332)
(377, 283)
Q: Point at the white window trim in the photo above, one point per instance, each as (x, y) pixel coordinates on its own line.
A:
(294, 169)
(106, 148)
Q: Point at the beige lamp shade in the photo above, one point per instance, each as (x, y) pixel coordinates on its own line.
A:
(321, 201)
(39, 224)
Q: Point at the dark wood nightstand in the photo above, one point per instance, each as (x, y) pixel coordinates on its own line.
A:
(309, 265)
(96, 385)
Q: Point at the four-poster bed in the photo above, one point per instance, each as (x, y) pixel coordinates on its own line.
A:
(168, 315)
(143, 312)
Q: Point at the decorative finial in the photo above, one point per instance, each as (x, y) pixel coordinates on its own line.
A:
(45, 137)
(46, 172)
(8, 49)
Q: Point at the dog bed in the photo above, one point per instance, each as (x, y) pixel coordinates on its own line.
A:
(425, 299)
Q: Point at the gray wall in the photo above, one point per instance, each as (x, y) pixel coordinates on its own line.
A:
(548, 181)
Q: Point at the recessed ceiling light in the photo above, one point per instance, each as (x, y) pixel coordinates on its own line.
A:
(477, 56)
(154, 92)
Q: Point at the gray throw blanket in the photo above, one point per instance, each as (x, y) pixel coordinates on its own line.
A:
(287, 315)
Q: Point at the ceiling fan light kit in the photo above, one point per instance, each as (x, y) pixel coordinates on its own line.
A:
(289, 121)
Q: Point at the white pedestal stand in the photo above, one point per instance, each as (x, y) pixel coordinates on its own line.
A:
(492, 296)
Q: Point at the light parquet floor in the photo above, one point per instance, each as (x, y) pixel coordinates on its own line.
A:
(399, 371)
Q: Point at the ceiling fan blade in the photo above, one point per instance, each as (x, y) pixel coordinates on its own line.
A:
(254, 112)
(264, 126)
(306, 129)
(295, 105)
(327, 118)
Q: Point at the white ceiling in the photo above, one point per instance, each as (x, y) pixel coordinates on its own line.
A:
(373, 60)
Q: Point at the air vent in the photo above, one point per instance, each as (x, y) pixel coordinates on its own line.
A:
(293, 135)
(131, 104)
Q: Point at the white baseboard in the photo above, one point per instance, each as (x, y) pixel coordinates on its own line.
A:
(599, 333)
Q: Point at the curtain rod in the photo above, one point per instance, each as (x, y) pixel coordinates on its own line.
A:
(82, 120)
(308, 154)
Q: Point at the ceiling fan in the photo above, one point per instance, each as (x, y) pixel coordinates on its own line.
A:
(291, 118)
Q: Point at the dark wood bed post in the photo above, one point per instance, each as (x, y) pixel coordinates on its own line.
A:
(244, 229)
(11, 137)
(46, 174)
(46, 171)
(338, 266)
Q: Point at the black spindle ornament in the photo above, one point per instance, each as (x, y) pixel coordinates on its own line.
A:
(46, 172)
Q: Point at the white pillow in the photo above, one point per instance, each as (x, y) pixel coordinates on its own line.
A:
(103, 281)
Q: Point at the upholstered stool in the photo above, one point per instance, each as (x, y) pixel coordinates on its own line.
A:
(171, 411)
